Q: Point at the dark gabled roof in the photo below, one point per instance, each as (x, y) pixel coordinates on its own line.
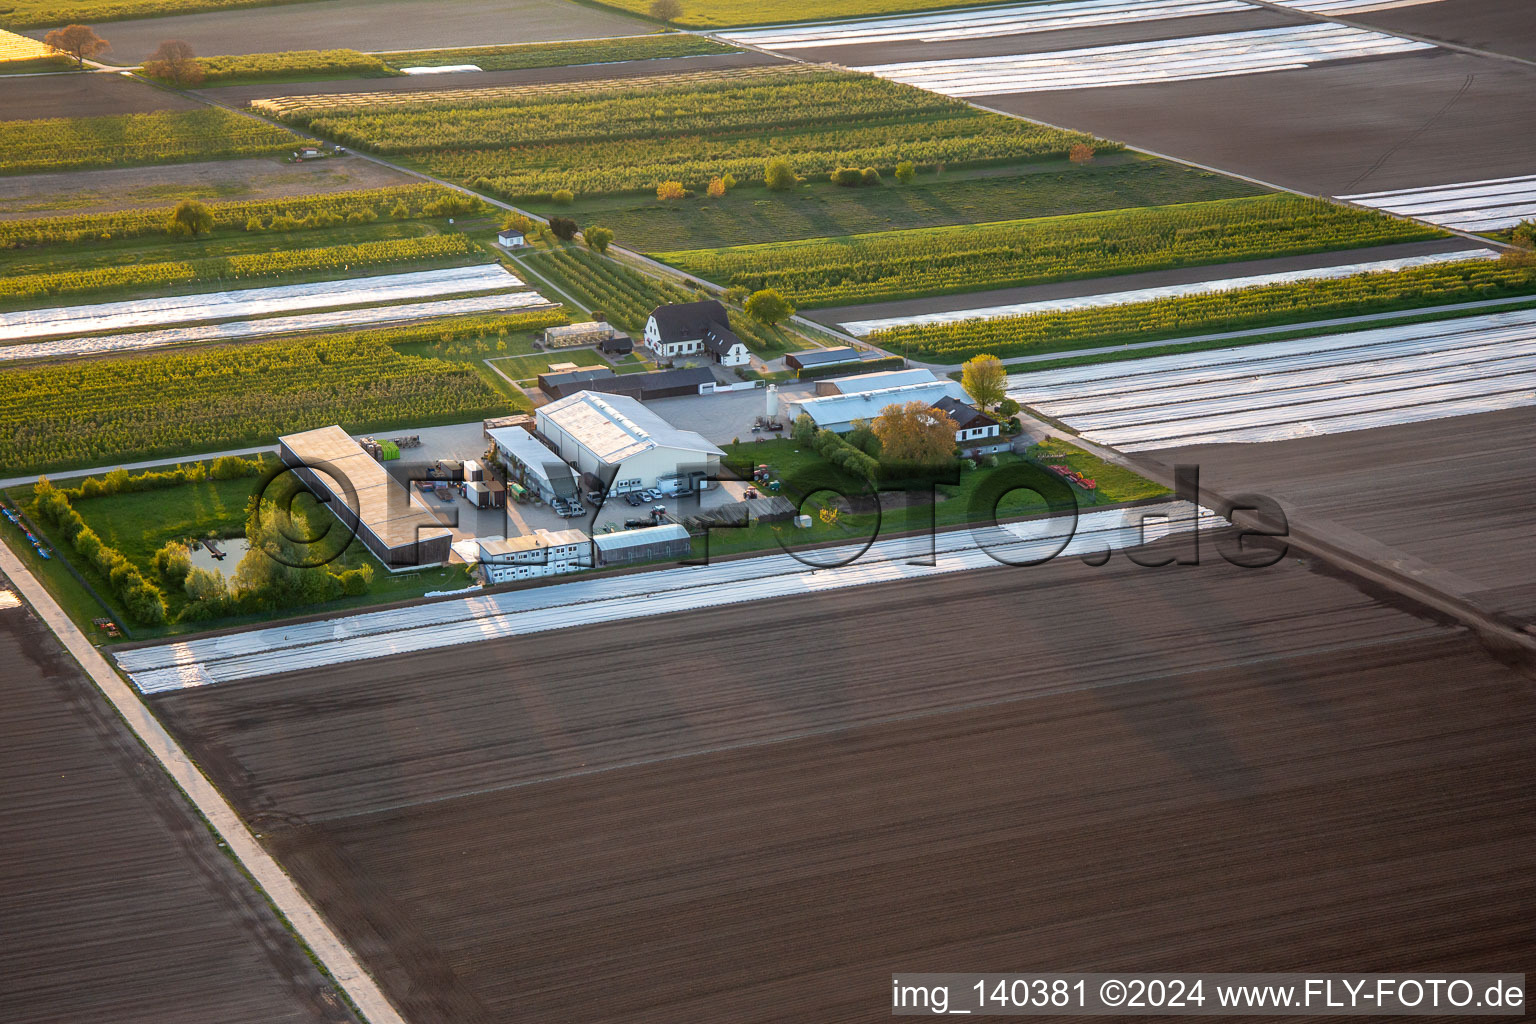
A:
(565, 378)
(660, 384)
(617, 343)
(687, 321)
(720, 339)
(966, 417)
(823, 357)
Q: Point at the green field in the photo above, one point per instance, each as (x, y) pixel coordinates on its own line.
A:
(83, 413)
(290, 66)
(1297, 302)
(591, 138)
(38, 13)
(818, 208)
(903, 264)
(549, 55)
(62, 143)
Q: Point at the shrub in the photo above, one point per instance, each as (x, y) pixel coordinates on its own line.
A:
(1080, 153)
(173, 562)
(716, 188)
(670, 190)
(563, 228)
(563, 196)
(189, 219)
(847, 177)
(804, 428)
(905, 172)
(357, 581)
(870, 176)
(778, 175)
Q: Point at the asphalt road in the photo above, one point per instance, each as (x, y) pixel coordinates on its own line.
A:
(116, 904)
(759, 814)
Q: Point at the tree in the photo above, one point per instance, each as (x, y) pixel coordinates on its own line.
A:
(519, 223)
(79, 41)
(779, 175)
(597, 238)
(670, 190)
(190, 218)
(905, 172)
(804, 428)
(985, 380)
(768, 306)
(1081, 153)
(175, 62)
(563, 228)
(1007, 408)
(666, 10)
(716, 188)
(206, 585)
(915, 432)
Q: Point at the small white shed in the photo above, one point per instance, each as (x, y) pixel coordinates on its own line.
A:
(511, 240)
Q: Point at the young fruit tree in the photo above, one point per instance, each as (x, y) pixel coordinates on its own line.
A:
(985, 380)
(79, 41)
(779, 175)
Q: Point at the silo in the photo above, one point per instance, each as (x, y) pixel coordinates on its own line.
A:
(773, 401)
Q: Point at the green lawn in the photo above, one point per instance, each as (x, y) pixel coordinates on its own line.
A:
(139, 523)
(792, 461)
(818, 208)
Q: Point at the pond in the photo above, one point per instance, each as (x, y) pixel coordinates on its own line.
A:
(233, 549)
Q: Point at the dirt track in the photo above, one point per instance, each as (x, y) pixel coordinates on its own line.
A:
(117, 905)
(760, 814)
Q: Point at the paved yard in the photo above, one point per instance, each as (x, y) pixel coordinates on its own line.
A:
(722, 418)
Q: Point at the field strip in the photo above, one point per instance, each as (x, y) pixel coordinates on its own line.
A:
(1348, 6)
(286, 896)
(1467, 206)
(203, 306)
(339, 101)
(240, 330)
(978, 23)
(175, 666)
(1300, 388)
(863, 328)
(1168, 60)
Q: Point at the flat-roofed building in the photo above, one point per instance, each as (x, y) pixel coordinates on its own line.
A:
(873, 381)
(837, 413)
(388, 519)
(540, 553)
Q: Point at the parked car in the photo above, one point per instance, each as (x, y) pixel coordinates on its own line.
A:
(633, 500)
(594, 498)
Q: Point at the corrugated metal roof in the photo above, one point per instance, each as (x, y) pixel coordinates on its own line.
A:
(883, 379)
(617, 427)
(638, 538)
(527, 449)
(869, 404)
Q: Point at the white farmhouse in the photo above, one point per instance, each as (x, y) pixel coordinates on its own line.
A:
(695, 328)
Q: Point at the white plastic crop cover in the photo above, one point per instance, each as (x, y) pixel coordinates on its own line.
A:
(979, 22)
(1298, 388)
(441, 69)
(1466, 206)
(1349, 6)
(330, 320)
(304, 646)
(861, 328)
(1167, 60)
(248, 302)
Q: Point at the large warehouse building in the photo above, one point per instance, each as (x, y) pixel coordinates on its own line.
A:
(614, 437)
(393, 524)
